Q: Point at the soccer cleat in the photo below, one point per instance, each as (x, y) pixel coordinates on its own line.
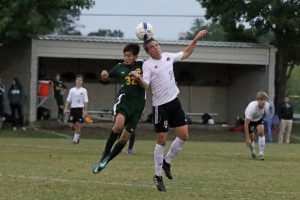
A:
(253, 155)
(261, 157)
(130, 151)
(158, 180)
(101, 165)
(167, 168)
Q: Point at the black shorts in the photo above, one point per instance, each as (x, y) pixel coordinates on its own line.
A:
(252, 125)
(76, 115)
(1, 106)
(59, 100)
(168, 115)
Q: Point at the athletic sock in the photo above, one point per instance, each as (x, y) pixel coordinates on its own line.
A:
(60, 114)
(261, 142)
(252, 147)
(76, 137)
(175, 149)
(158, 159)
(131, 141)
(117, 149)
(109, 143)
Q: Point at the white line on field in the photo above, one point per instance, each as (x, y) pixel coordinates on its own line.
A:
(295, 137)
(38, 178)
(54, 133)
(36, 146)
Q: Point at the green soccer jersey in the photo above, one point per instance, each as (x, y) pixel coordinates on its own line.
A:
(128, 85)
(58, 87)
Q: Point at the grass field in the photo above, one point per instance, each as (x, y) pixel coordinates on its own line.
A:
(40, 165)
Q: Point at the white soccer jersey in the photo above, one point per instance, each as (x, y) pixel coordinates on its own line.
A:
(254, 113)
(159, 75)
(77, 97)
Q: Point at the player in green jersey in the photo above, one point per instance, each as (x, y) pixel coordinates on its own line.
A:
(129, 107)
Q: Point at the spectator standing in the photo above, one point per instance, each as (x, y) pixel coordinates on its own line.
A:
(285, 114)
(16, 97)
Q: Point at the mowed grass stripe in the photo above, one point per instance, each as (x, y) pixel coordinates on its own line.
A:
(43, 168)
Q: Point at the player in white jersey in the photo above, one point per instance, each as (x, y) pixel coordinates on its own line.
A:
(167, 111)
(77, 100)
(254, 114)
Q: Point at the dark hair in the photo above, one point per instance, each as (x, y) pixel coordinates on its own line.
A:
(134, 48)
(147, 42)
(17, 85)
(80, 76)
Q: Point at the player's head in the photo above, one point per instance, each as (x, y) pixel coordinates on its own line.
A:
(57, 76)
(130, 53)
(262, 98)
(79, 80)
(152, 48)
(286, 98)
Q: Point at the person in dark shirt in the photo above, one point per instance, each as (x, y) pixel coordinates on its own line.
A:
(285, 114)
(59, 89)
(16, 97)
(2, 91)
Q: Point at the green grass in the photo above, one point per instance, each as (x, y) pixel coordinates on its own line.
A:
(53, 168)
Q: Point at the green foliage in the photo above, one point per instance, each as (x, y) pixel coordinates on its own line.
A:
(22, 18)
(293, 89)
(216, 32)
(107, 33)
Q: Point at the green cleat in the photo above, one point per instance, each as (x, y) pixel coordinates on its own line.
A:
(261, 157)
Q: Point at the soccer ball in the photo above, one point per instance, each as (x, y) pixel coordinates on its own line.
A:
(144, 31)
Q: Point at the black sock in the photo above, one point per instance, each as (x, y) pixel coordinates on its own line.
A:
(60, 113)
(109, 143)
(131, 141)
(117, 149)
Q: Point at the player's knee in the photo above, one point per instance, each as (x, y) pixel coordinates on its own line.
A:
(184, 137)
(118, 128)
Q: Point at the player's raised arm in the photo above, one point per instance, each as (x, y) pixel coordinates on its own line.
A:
(190, 48)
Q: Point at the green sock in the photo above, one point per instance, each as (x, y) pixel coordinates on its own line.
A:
(117, 149)
(109, 143)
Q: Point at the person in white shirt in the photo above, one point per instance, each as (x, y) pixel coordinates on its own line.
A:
(167, 111)
(254, 115)
(77, 100)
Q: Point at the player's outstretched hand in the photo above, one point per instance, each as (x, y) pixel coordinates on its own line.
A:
(201, 34)
(248, 142)
(134, 75)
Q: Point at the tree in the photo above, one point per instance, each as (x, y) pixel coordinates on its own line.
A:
(279, 17)
(216, 32)
(107, 33)
(19, 19)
